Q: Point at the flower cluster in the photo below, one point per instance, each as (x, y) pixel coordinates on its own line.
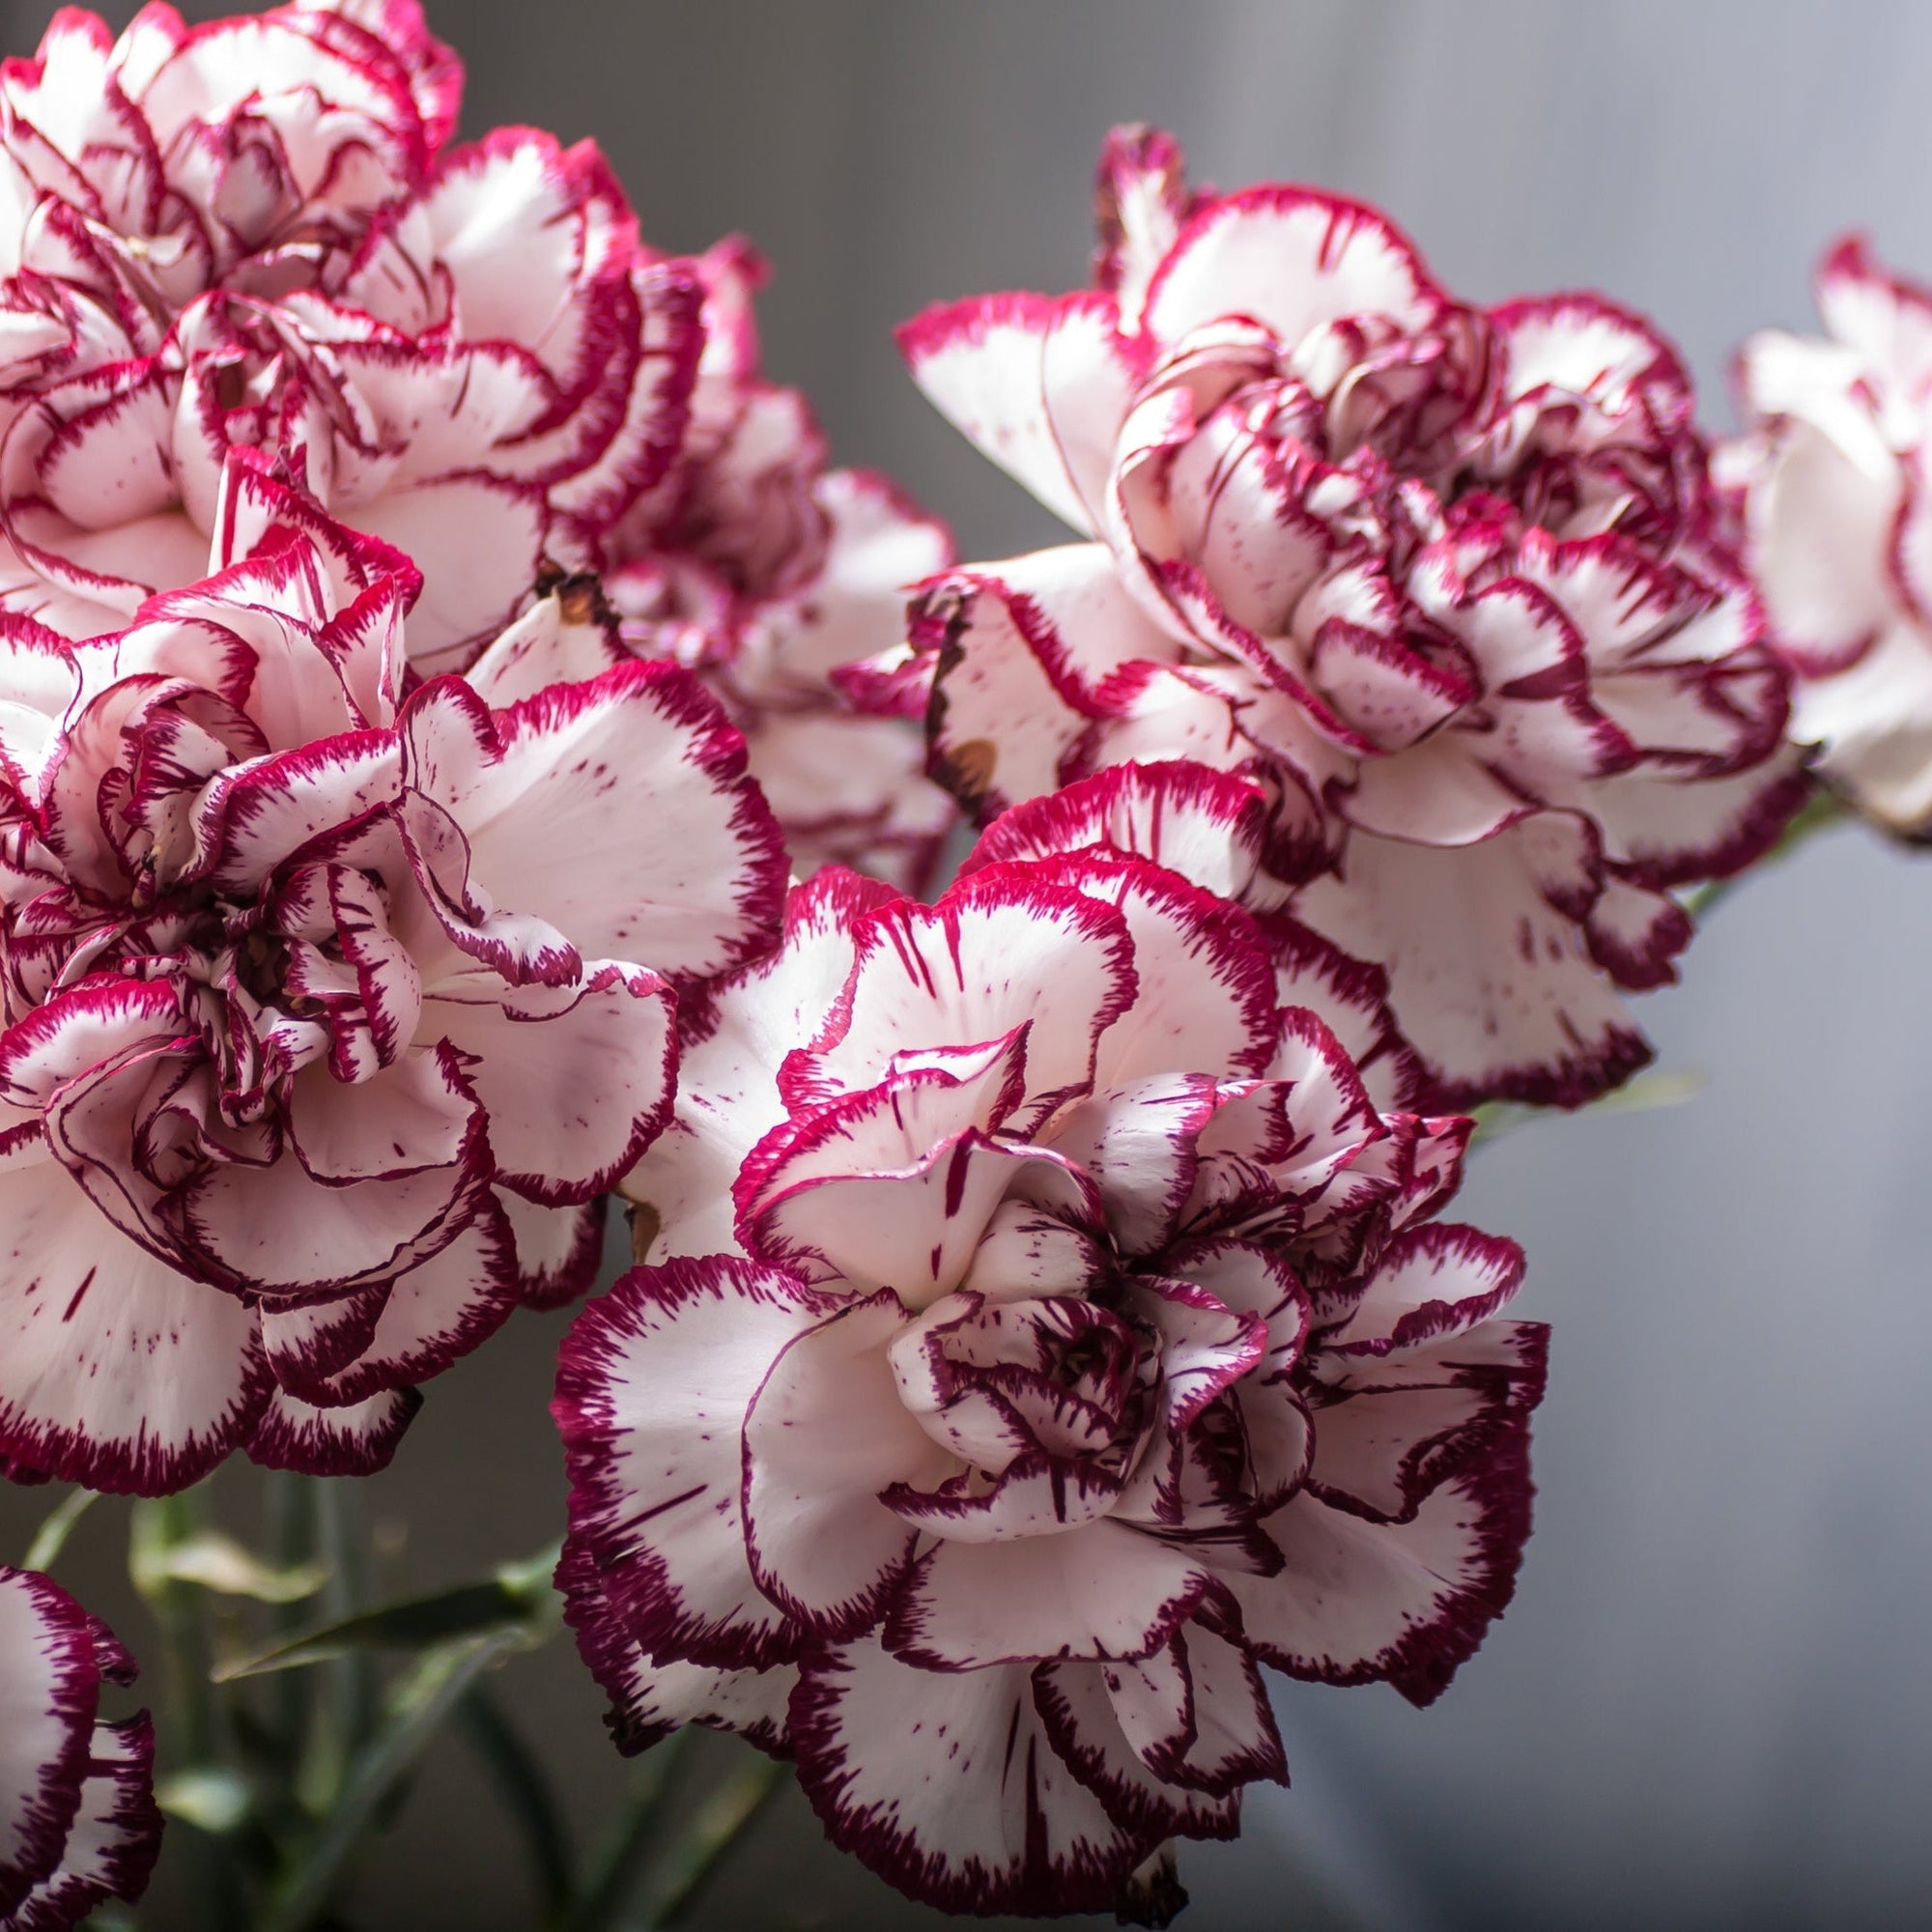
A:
(330, 1011)
(255, 234)
(1050, 1327)
(77, 1820)
(1449, 579)
(1835, 486)
(464, 750)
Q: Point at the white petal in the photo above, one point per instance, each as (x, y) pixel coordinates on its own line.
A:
(826, 1433)
(1102, 1590)
(577, 1081)
(655, 1383)
(1492, 980)
(1042, 387)
(947, 1785)
(115, 1369)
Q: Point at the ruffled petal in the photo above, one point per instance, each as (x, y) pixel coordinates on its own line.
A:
(577, 1079)
(1358, 1602)
(1210, 827)
(1197, 1714)
(551, 795)
(972, 969)
(79, 1823)
(1102, 1590)
(356, 1441)
(650, 1700)
(160, 1380)
(655, 1382)
(729, 1097)
(557, 1249)
(1042, 387)
(1022, 651)
(431, 1317)
(893, 1188)
(1488, 968)
(949, 1786)
(826, 1433)
(1295, 259)
(1077, 1705)
(49, 1685)
(116, 1837)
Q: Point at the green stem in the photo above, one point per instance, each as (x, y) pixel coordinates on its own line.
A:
(527, 1798)
(425, 1700)
(293, 1512)
(694, 1855)
(194, 1733)
(620, 1861)
(344, 1710)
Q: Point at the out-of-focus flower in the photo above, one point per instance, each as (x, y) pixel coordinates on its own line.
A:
(329, 1016)
(252, 232)
(1834, 483)
(78, 1824)
(1446, 578)
(755, 566)
(1048, 1326)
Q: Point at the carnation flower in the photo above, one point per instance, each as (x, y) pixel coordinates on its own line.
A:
(1048, 1326)
(254, 233)
(1445, 578)
(757, 567)
(1832, 480)
(77, 1820)
(330, 1013)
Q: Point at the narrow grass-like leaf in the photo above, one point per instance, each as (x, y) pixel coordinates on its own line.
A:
(50, 1539)
(517, 1601)
(416, 1709)
(208, 1797)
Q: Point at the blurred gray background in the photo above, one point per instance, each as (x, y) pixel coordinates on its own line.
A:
(1711, 1703)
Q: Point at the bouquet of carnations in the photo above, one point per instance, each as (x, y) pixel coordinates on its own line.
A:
(468, 759)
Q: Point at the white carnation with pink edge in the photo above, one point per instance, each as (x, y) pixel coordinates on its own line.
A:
(255, 232)
(78, 1825)
(331, 1005)
(1448, 579)
(1047, 1326)
(1834, 481)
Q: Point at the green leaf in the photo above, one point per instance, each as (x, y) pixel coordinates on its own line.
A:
(112, 1919)
(681, 1870)
(416, 1709)
(620, 1861)
(207, 1797)
(213, 1560)
(1644, 1095)
(529, 1802)
(50, 1539)
(517, 1600)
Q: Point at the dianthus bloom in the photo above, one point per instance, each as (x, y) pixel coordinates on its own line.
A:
(1048, 1328)
(78, 1824)
(1835, 484)
(1446, 578)
(329, 1015)
(765, 572)
(253, 231)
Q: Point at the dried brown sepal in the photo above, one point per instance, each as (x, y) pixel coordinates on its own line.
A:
(644, 1223)
(579, 593)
